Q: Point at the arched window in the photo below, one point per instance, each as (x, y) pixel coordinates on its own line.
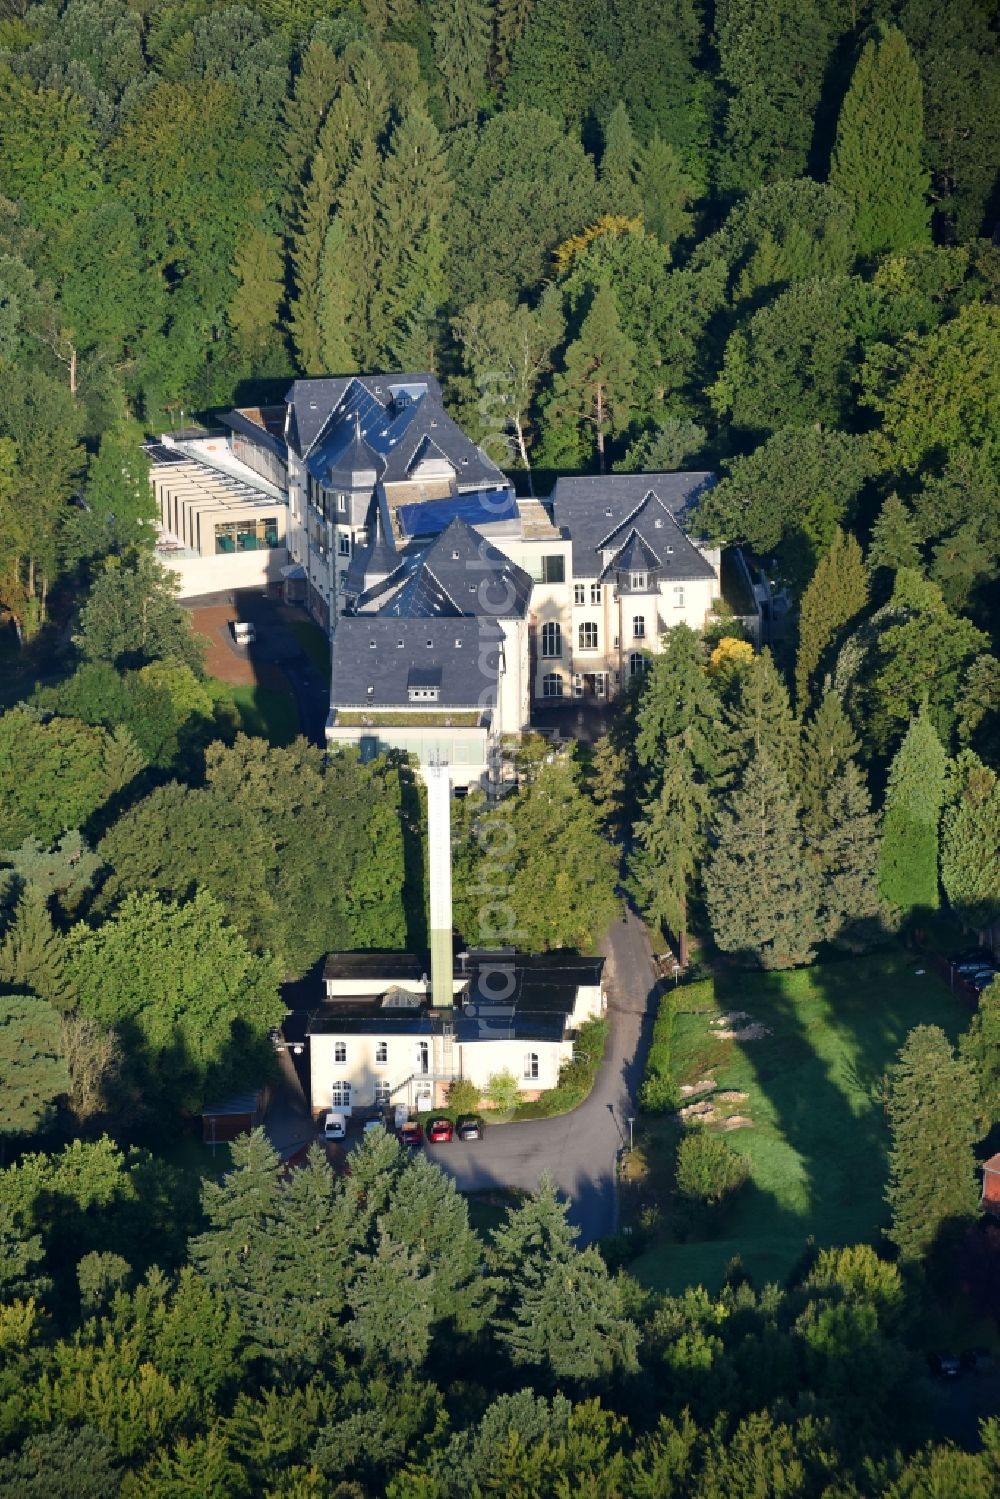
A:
(531, 1065)
(639, 627)
(636, 664)
(588, 636)
(552, 684)
(551, 639)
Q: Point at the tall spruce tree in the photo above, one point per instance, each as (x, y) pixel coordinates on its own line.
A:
(312, 222)
(829, 745)
(620, 165)
(876, 165)
(669, 841)
(894, 540)
(837, 593)
(760, 720)
(302, 114)
(462, 32)
(667, 192)
(970, 842)
(932, 1116)
(32, 954)
(761, 889)
(908, 864)
(31, 1064)
(846, 858)
(676, 698)
(594, 391)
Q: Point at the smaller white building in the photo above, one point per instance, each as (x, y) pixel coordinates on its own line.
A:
(377, 1040)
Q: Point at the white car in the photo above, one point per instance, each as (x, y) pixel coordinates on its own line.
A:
(334, 1127)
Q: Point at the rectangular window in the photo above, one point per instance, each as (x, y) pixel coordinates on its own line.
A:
(678, 598)
(344, 545)
(531, 1065)
(381, 1053)
(548, 569)
(340, 1052)
(579, 593)
(246, 535)
(638, 628)
(637, 580)
(340, 1097)
(588, 636)
(595, 593)
(383, 1094)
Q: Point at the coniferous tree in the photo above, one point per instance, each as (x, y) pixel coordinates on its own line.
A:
(430, 1216)
(932, 1113)
(760, 720)
(392, 1300)
(772, 59)
(894, 538)
(846, 857)
(316, 202)
(620, 165)
(557, 1307)
(979, 1046)
(908, 863)
(669, 842)
(31, 1064)
(462, 32)
(593, 392)
(302, 115)
(760, 887)
(32, 955)
(970, 842)
(837, 594)
(829, 745)
(667, 192)
(876, 165)
(606, 782)
(676, 698)
(254, 311)
(511, 17)
(349, 270)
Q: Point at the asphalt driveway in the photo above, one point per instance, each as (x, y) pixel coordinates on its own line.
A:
(579, 1150)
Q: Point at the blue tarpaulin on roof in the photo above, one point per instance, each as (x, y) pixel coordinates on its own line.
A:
(479, 508)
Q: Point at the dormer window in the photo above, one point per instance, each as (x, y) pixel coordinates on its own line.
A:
(637, 580)
(423, 694)
(455, 556)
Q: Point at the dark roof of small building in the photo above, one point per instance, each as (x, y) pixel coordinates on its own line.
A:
(235, 1107)
(391, 966)
(458, 573)
(377, 652)
(599, 511)
(335, 1022)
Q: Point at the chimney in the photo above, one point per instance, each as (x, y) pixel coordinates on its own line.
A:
(439, 850)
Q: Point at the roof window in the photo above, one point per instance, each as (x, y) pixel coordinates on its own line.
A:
(371, 645)
(608, 511)
(658, 523)
(458, 644)
(454, 556)
(430, 645)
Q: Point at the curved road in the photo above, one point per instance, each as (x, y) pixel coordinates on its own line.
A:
(579, 1150)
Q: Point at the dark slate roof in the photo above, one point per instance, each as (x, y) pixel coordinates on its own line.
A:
(315, 405)
(522, 996)
(391, 966)
(382, 424)
(457, 573)
(379, 556)
(379, 652)
(332, 1022)
(635, 555)
(599, 511)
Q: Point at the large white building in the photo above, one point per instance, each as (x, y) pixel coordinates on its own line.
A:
(452, 604)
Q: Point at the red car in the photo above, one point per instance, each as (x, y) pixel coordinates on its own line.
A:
(439, 1131)
(410, 1134)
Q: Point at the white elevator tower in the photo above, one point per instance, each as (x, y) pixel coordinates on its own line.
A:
(439, 851)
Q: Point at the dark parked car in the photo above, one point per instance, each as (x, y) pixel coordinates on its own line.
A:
(439, 1131)
(982, 979)
(469, 1127)
(976, 957)
(945, 1365)
(411, 1134)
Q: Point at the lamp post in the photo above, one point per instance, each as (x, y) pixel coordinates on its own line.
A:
(630, 1123)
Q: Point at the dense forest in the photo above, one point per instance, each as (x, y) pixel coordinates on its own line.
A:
(765, 231)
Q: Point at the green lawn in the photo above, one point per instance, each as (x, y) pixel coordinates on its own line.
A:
(314, 643)
(265, 712)
(817, 1146)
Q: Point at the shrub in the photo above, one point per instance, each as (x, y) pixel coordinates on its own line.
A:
(503, 1091)
(707, 1170)
(463, 1096)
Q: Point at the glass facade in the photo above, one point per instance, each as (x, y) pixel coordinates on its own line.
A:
(251, 535)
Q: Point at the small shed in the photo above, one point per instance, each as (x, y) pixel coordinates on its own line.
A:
(991, 1185)
(238, 1115)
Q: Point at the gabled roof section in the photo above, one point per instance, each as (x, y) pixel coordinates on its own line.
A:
(635, 556)
(428, 427)
(601, 511)
(458, 573)
(316, 405)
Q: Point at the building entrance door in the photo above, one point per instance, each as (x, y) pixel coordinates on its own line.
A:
(423, 1063)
